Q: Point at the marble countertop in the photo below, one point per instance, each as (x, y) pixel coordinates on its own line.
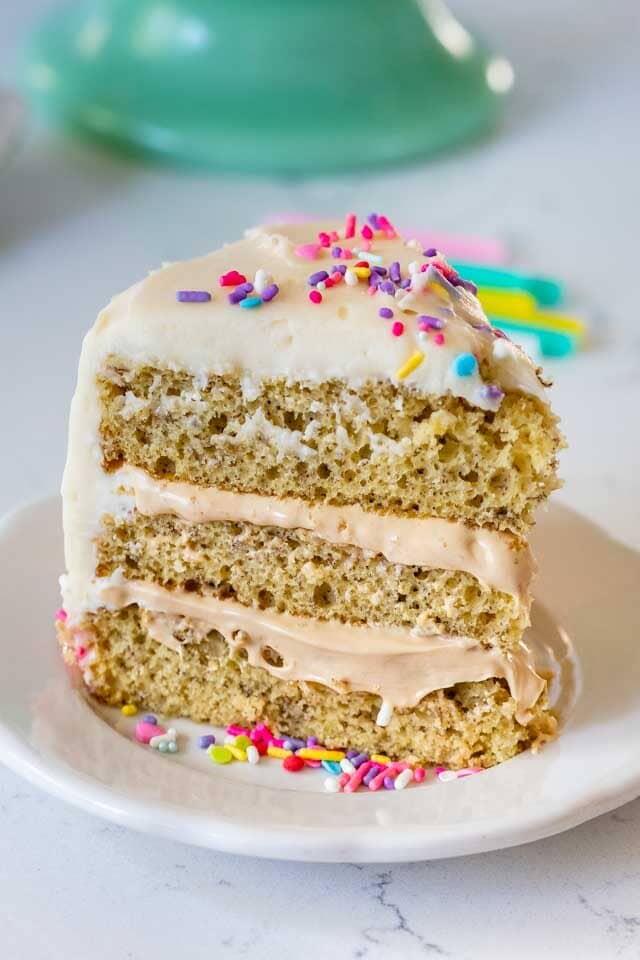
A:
(561, 186)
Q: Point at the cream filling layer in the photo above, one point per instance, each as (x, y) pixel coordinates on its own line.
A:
(488, 555)
(401, 666)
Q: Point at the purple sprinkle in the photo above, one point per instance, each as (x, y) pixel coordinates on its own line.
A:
(394, 271)
(432, 323)
(374, 280)
(293, 743)
(381, 271)
(405, 283)
(206, 740)
(372, 219)
(340, 267)
(270, 292)
(149, 718)
(236, 296)
(193, 296)
(351, 754)
(312, 741)
(336, 251)
(389, 783)
(468, 285)
(387, 286)
(371, 773)
(492, 392)
(359, 759)
(385, 312)
(430, 252)
(317, 277)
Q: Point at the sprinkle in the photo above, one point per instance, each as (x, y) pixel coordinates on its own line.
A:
(362, 272)
(403, 779)
(129, 710)
(309, 251)
(384, 772)
(350, 278)
(206, 740)
(312, 741)
(430, 252)
(426, 322)
(145, 731)
(261, 280)
(387, 286)
(242, 741)
(193, 296)
(336, 278)
(317, 753)
(367, 232)
(350, 226)
(389, 783)
(315, 296)
(293, 763)
(373, 258)
(270, 291)
(469, 771)
(419, 774)
(465, 364)
(263, 730)
(385, 312)
(171, 746)
(331, 785)
(250, 302)
(334, 236)
(236, 752)
(275, 742)
(313, 763)
(336, 252)
(366, 245)
(398, 328)
(384, 714)
(373, 220)
(446, 775)
(167, 737)
(61, 615)
(346, 766)
(324, 239)
(220, 754)
(340, 268)
(438, 339)
(238, 294)
(279, 752)
(253, 756)
(384, 225)
(322, 285)
(422, 336)
(237, 731)
(359, 759)
(490, 391)
(292, 743)
(150, 718)
(361, 263)
(356, 778)
(381, 271)
(231, 279)
(332, 767)
(394, 271)
(343, 778)
(317, 277)
(380, 758)
(405, 283)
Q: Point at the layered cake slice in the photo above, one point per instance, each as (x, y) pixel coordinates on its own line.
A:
(300, 478)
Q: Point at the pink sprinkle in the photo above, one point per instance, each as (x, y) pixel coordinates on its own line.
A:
(324, 239)
(372, 291)
(61, 615)
(419, 774)
(348, 254)
(397, 328)
(367, 232)
(439, 339)
(263, 730)
(366, 245)
(439, 770)
(356, 778)
(308, 250)
(315, 296)
(337, 277)
(313, 763)
(275, 741)
(350, 226)
(334, 236)
(389, 771)
(384, 225)
(343, 779)
(144, 731)
(469, 771)
(237, 731)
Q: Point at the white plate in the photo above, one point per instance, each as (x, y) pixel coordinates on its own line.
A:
(50, 733)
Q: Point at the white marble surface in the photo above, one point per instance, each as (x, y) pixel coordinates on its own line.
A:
(560, 183)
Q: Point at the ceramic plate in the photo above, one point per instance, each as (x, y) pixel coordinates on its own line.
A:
(55, 737)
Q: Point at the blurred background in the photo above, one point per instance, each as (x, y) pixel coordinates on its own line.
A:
(135, 133)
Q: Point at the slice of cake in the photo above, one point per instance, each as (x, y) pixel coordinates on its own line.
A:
(300, 478)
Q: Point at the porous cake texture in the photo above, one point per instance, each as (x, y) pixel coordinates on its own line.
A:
(310, 512)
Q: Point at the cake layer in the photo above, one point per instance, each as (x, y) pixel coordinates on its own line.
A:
(398, 664)
(469, 724)
(381, 445)
(297, 572)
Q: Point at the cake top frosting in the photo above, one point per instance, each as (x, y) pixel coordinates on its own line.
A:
(316, 302)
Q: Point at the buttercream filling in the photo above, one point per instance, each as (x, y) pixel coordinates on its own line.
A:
(401, 666)
(431, 542)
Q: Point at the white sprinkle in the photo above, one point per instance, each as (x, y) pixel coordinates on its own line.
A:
(168, 737)
(351, 278)
(384, 714)
(403, 779)
(445, 775)
(413, 267)
(252, 754)
(367, 255)
(261, 280)
(422, 336)
(321, 285)
(347, 767)
(331, 785)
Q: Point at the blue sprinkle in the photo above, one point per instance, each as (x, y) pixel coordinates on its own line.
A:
(465, 364)
(206, 740)
(249, 302)
(149, 718)
(332, 767)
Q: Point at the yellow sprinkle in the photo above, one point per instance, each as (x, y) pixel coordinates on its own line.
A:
(129, 710)
(278, 752)
(380, 758)
(363, 272)
(411, 364)
(242, 741)
(236, 752)
(310, 753)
